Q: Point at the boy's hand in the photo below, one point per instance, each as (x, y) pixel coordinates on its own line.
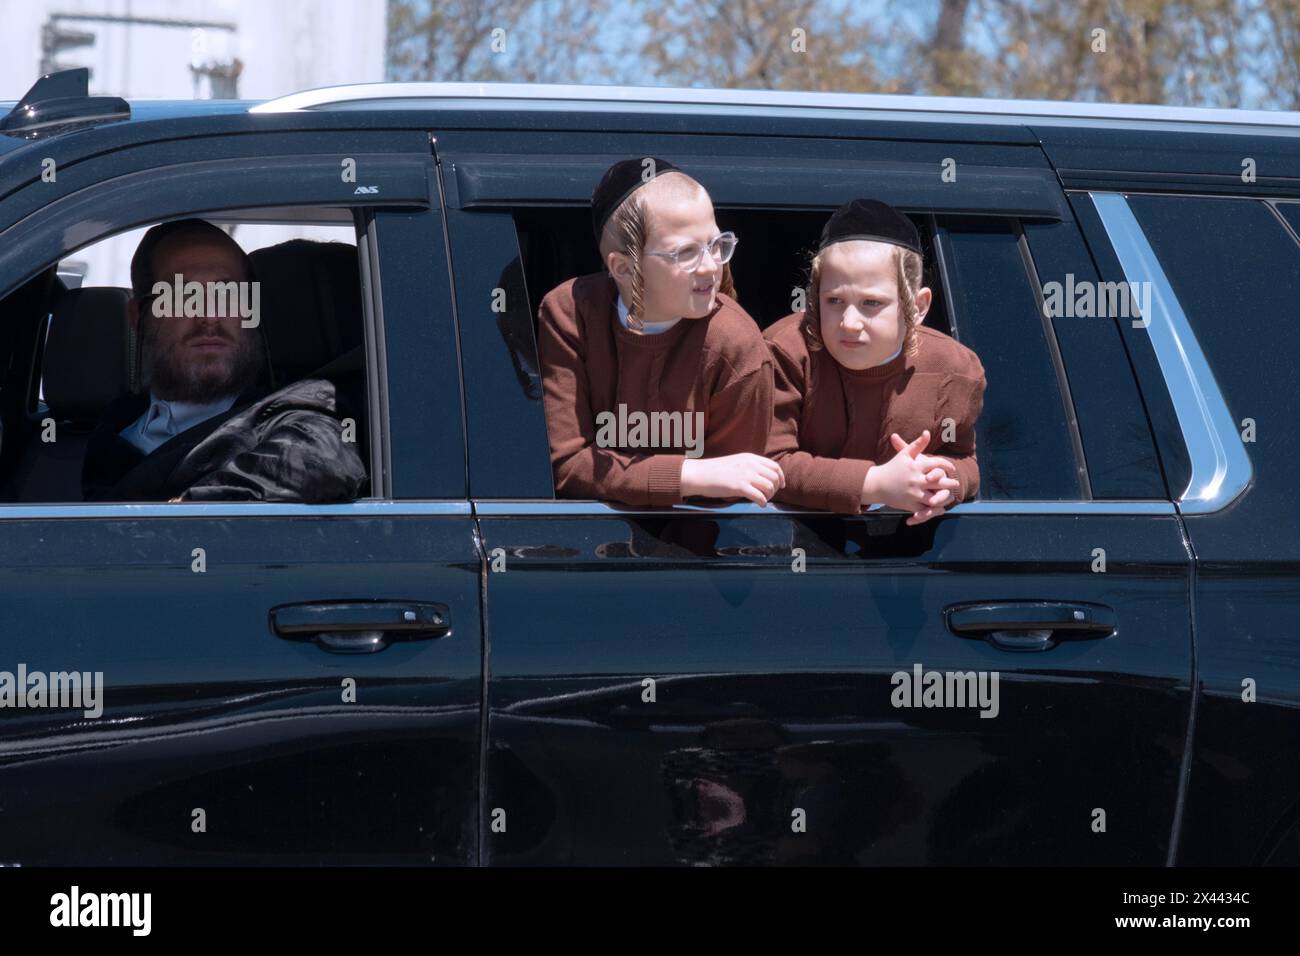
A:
(938, 468)
(733, 476)
(912, 481)
(926, 461)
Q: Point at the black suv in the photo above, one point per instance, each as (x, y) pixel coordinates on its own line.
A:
(464, 669)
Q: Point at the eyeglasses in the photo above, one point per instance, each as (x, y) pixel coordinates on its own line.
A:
(688, 256)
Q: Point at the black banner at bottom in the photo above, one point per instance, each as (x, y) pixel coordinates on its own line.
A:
(365, 904)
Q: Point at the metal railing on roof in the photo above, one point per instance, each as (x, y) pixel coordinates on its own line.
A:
(432, 95)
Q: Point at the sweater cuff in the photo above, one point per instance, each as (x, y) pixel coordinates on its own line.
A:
(968, 476)
(844, 487)
(664, 485)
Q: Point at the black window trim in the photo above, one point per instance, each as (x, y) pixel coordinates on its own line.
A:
(1058, 365)
(484, 180)
(361, 508)
(372, 304)
(582, 507)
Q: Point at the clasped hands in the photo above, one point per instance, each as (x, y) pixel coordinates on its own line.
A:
(913, 481)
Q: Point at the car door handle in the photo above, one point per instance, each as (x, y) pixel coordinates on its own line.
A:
(360, 627)
(1030, 625)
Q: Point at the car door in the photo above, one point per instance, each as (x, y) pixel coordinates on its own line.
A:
(1209, 219)
(281, 683)
(1243, 790)
(732, 684)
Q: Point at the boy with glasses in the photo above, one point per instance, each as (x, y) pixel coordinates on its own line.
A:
(657, 385)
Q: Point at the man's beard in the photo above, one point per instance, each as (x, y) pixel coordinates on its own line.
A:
(165, 374)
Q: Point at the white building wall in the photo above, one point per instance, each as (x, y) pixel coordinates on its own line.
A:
(285, 46)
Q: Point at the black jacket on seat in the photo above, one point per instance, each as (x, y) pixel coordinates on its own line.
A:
(285, 445)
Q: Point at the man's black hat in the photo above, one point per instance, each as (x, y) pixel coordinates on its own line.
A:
(873, 220)
(620, 181)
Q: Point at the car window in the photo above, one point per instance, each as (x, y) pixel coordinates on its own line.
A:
(108, 261)
(304, 305)
(1235, 268)
(1023, 437)
(984, 296)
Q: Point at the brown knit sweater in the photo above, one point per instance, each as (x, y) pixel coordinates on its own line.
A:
(718, 365)
(831, 424)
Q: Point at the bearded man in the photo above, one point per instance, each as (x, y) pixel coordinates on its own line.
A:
(211, 427)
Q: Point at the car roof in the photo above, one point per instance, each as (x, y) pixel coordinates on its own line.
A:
(516, 98)
(1149, 137)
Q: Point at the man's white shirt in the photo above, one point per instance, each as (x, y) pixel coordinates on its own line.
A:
(163, 419)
